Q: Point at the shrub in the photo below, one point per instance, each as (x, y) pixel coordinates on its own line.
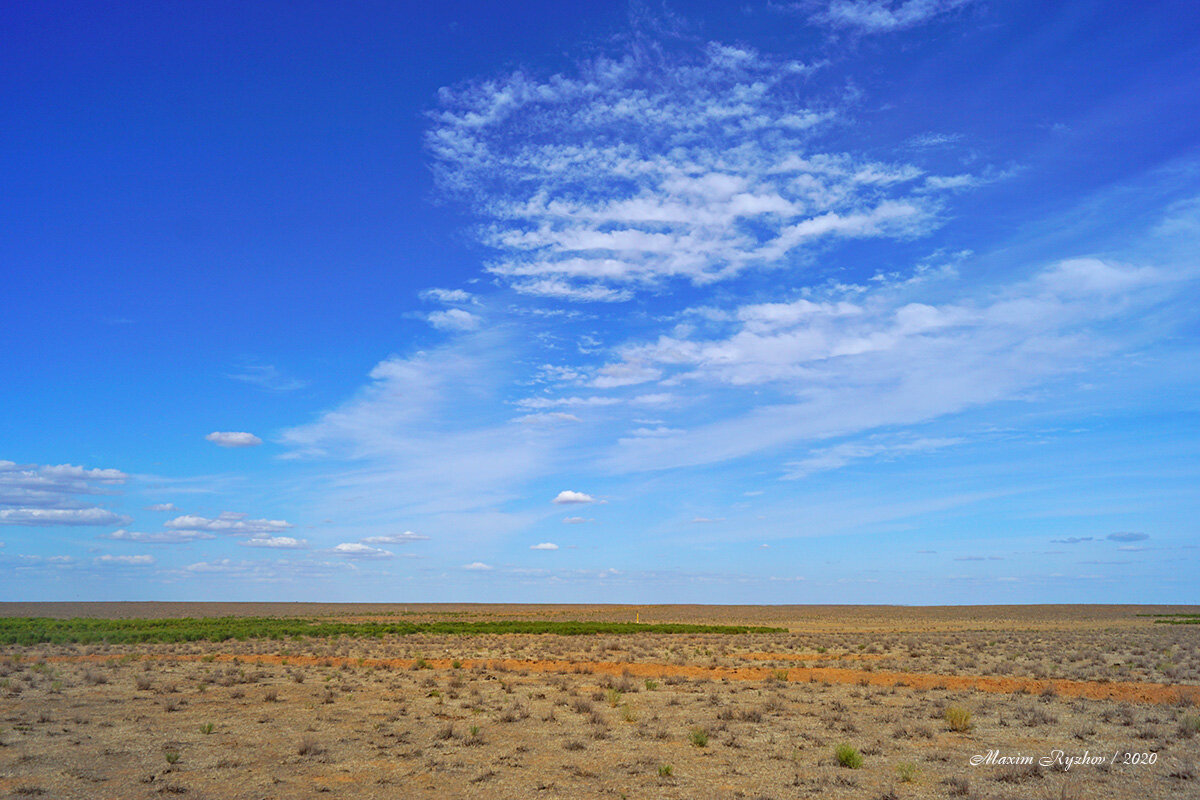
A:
(206, 728)
(848, 756)
(957, 787)
(907, 771)
(309, 747)
(172, 756)
(958, 718)
(665, 770)
(698, 737)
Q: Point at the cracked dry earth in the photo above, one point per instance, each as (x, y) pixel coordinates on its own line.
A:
(639, 716)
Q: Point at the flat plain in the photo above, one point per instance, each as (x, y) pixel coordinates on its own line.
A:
(865, 702)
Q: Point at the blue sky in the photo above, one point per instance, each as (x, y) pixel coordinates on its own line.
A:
(813, 302)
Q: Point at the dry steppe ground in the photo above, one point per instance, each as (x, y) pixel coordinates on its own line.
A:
(910, 693)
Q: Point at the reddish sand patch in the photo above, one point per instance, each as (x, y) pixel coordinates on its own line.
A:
(807, 656)
(1094, 690)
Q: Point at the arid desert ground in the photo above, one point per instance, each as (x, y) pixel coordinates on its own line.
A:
(843, 701)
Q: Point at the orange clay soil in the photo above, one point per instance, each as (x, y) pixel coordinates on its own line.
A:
(1094, 690)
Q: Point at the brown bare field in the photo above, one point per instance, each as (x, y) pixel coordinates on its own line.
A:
(915, 693)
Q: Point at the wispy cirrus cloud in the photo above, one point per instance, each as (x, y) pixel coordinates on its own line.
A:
(637, 171)
(858, 358)
(267, 376)
(126, 561)
(396, 538)
(878, 16)
(158, 537)
(838, 456)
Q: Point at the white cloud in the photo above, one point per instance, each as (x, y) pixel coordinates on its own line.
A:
(359, 550)
(647, 170)
(477, 566)
(576, 520)
(568, 402)
(548, 418)
(448, 296)
(454, 319)
(33, 495)
(222, 565)
(162, 507)
(396, 538)
(276, 542)
(61, 516)
(429, 439)
(162, 537)
(838, 456)
(568, 497)
(627, 374)
(124, 560)
(266, 376)
(544, 546)
(233, 439)
(879, 16)
(227, 522)
(850, 359)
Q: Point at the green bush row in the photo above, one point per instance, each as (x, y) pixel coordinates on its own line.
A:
(37, 630)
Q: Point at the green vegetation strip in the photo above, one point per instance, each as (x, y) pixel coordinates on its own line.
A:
(1175, 619)
(37, 630)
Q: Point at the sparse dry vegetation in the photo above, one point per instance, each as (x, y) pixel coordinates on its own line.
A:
(885, 704)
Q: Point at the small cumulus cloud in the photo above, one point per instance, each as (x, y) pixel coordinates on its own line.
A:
(227, 522)
(276, 542)
(544, 546)
(478, 566)
(233, 439)
(1073, 540)
(162, 507)
(454, 319)
(706, 520)
(359, 550)
(568, 497)
(576, 520)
